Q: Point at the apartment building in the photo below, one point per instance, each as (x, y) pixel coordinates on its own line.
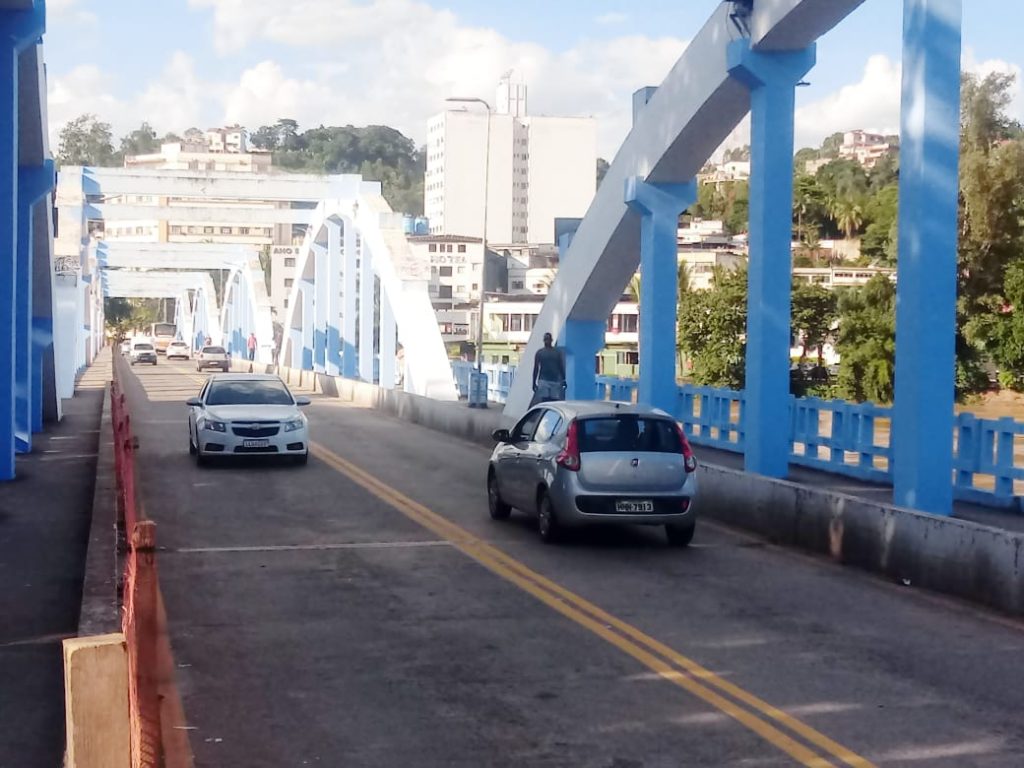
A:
(539, 168)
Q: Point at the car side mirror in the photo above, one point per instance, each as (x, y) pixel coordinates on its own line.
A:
(501, 435)
(302, 401)
(194, 402)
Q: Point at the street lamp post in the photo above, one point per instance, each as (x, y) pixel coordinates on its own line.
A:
(483, 264)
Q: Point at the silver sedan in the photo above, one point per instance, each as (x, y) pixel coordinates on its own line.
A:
(576, 463)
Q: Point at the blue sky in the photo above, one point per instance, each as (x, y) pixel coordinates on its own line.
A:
(179, 63)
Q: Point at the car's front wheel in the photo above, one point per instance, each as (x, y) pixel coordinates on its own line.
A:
(191, 446)
(499, 509)
(680, 535)
(302, 460)
(547, 521)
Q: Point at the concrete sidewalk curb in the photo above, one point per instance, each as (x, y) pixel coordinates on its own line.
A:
(976, 562)
(100, 614)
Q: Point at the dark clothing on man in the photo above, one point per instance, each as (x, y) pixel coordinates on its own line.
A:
(548, 375)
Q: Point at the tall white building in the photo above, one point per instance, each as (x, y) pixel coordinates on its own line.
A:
(541, 168)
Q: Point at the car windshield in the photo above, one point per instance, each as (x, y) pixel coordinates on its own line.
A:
(257, 392)
(144, 347)
(214, 351)
(628, 433)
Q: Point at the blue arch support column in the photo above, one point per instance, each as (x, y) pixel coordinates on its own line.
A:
(922, 438)
(659, 206)
(18, 30)
(330, 276)
(772, 78)
(33, 185)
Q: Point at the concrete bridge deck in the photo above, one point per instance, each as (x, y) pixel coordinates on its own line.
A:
(365, 611)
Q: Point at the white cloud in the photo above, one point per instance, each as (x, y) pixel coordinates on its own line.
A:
(611, 19)
(395, 61)
(173, 102)
(265, 94)
(989, 66)
(68, 11)
(872, 103)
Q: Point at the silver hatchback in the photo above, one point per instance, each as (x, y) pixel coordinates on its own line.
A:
(577, 463)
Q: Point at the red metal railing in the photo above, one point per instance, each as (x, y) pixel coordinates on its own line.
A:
(139, 619)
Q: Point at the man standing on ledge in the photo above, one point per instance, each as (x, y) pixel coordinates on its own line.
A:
(252, 346)
(548, 373)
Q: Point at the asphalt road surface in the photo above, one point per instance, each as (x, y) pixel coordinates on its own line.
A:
(365, 611)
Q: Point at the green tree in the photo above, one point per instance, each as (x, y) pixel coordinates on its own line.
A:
(141, 141)
(881, 215)
(847, 214)
(712, 325)
(991, 225)
(814, 317)
(602, 169)
(830, 146)
(810, 207)
(86, 141)
(866, 341)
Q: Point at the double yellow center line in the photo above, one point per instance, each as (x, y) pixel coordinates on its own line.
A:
(760, 717)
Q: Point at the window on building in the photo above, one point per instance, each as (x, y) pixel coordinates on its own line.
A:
(476, 286)
(630, 323)
(517, 285)
(516, 323)
(207, 230)
(288, 282)
(461, 270)
(225, 230)
(505, 321)
(462, 249)
(243, 231)
(432, 248)
(444, 291)
(446, 271)
(289, 261)
(286, 303)
(176, 229)
(528, 321)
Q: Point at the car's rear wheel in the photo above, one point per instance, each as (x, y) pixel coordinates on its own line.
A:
(547, 521)
(499, 509)
(680, 535)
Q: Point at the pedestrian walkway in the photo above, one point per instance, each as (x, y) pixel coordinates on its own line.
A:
(44, 524)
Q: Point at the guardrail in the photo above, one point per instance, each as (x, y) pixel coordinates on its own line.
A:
(850, 439)
(139, 596)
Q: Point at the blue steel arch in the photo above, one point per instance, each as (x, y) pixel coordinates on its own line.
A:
(246, 309)
(632, 222)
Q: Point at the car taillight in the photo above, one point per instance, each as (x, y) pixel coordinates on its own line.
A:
(570, 455)
(689, 460)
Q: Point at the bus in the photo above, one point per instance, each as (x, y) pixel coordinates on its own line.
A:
(162, 334)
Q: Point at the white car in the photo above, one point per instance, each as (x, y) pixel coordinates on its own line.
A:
(213, 357)
(178, 349)
(246, 414)
(142, 352)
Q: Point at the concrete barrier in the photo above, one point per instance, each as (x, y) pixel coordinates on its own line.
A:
(96, 702)
(956, 557)
(99, 613)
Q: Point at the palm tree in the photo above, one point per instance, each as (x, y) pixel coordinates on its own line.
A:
(848, 215)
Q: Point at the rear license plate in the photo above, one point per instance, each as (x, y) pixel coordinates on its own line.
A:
(255, 443)
(634, 506)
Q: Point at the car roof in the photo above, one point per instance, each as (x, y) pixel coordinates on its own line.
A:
(245, 377)
(587, 408)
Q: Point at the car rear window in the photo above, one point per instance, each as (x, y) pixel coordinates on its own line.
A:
(144, 347)
(214, 351)
(628, 433)
(248, 393)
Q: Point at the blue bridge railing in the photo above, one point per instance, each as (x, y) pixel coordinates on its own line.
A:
(850, 439)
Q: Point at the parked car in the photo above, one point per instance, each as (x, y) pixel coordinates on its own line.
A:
(178, 349)
(142, 352)
(578, 463)
(213, 357)
(246, 414)
(126, 347)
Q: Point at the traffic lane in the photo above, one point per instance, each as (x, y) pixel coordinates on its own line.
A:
(364, 641)
(880, 668)
(237, 496)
